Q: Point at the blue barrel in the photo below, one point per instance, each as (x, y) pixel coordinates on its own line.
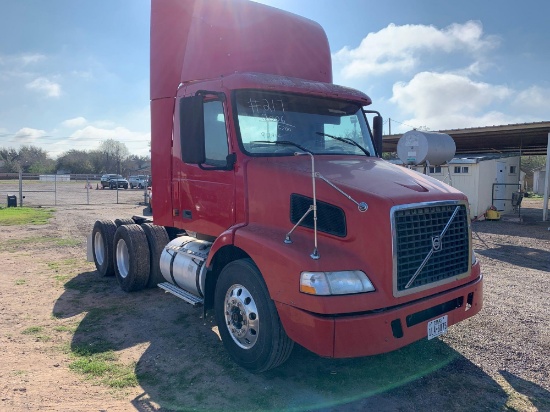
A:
(12, 201)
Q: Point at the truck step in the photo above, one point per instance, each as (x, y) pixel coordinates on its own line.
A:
(182, 294)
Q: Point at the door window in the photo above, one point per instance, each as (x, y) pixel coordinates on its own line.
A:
(216, 146)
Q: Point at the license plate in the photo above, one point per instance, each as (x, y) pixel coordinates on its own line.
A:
(437, 327)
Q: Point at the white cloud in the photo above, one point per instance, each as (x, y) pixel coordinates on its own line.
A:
(31, 58)
(21, 59)
(27, 135)
(400, 48)
(534, 99)
(74, 123)
(42, 84)
(445, 101)
(137, 142)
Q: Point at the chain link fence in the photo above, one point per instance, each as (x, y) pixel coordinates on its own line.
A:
(60, 190)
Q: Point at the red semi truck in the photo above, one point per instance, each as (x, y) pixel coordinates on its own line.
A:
(272, 206)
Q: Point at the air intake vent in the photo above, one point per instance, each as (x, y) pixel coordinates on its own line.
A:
(330, 219)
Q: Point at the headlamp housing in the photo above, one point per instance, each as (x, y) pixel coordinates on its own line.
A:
(343, 282)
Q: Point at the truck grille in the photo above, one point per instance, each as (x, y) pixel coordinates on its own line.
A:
(417, 231)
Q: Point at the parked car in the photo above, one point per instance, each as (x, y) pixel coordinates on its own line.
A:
(105, 179)
(139, 181)
(118, 182)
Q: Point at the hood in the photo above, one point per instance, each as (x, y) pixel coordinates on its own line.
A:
(371, 177)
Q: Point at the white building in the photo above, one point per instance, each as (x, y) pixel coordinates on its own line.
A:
(487, 180)
(538, 181)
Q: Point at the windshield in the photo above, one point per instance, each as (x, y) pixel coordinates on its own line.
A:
(273, 123)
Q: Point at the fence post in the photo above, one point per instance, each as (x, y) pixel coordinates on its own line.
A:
(55, 188)
(20, 187)
(546, 182)
(87, 189)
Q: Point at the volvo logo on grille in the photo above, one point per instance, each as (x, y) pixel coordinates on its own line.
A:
(436, 243)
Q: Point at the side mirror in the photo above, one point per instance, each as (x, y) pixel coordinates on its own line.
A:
(377, 123)
(191, 116)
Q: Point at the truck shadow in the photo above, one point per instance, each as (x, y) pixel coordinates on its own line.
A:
(519, 256)
(536, 395)
(185, 366)
(531, 227)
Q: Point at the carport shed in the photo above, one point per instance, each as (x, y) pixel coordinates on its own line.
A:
(525, 139)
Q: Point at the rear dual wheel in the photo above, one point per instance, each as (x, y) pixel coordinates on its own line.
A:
(103, 234)
(132, 259)
(129, 251)
(124, 221)
(157, 238)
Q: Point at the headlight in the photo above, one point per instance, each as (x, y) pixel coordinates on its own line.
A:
(335, 283)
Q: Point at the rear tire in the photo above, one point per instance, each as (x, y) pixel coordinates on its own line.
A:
(124, 221)
(131, 258)
(103, 235)
(247, 319)
(157, 237)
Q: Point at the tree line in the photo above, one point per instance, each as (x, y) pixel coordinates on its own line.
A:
(111, 157)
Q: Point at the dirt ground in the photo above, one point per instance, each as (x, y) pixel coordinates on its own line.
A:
(53, 304)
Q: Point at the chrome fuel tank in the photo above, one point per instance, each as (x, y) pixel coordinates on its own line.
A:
(182, 263)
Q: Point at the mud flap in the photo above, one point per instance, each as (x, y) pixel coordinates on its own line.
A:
(89, 251)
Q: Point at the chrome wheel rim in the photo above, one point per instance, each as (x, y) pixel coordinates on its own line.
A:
(241, 316)
(99, 248)
(122, 258)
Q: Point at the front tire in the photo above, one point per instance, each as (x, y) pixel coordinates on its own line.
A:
(247, 319)
(131, 258)
(103, 235)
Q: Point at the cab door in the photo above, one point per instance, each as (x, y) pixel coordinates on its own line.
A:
(206, 192)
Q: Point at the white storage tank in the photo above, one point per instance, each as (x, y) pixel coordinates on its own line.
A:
(416, 147)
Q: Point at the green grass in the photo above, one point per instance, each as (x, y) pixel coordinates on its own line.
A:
(63, 268)
(63, 264)
(102, 366)
(14, 244)
(33, 330)
(12, 216)
(37, 332)
(63, 328)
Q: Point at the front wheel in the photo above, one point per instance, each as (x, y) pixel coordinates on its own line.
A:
(247, 319)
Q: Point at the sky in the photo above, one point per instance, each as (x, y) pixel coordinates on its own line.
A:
(75, 73)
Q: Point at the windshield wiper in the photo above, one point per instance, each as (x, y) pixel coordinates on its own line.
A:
(283, 143)
(346, 140)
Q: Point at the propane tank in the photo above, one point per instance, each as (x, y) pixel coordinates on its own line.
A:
(182, 263)
(416, 147)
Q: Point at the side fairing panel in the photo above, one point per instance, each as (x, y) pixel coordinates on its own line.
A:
(161, 152)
